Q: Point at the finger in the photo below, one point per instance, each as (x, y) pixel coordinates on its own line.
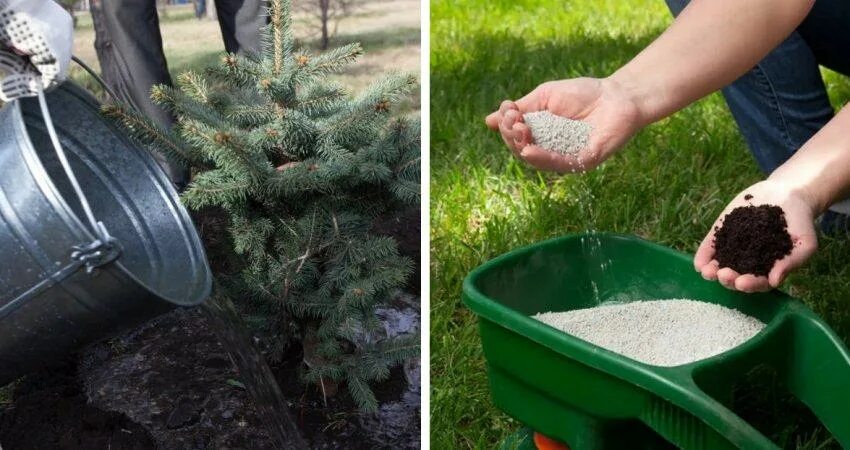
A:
(533, 101)
(509, 134)
(750, 283)
(523, 133)
(494, 118)
(705, 252)
(506, 106)
(804, 248)
(506, 132)
(709, 271)
(726, 277)
(546, 160)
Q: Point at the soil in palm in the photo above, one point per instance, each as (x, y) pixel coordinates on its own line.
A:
(752, 238)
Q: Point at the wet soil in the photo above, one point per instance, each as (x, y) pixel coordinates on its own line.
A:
(752, 238)
(338, 423)
(170, 385)
(50, 411)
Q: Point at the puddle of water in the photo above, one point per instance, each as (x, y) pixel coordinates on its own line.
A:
(254, 372)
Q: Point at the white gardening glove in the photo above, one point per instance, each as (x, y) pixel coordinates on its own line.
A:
(36, 37)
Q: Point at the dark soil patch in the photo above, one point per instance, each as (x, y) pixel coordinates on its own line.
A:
(752, 239)
(335, 424)
(404, 227)
(50, 411)
(170, 385)
(173, 377)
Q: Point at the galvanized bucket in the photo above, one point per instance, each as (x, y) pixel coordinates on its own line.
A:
(60, 289)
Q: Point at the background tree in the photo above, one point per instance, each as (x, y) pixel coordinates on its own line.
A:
(302, 170)
(328, 13)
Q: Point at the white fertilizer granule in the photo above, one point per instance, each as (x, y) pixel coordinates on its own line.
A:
(557, 134)
(658, 332)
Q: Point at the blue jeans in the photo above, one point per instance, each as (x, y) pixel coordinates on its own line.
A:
(782, 101)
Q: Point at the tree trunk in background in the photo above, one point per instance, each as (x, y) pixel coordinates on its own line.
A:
(324, 11)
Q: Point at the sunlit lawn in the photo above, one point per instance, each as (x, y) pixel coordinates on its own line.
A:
(668, 186)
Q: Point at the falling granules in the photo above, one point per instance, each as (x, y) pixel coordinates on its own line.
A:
(557, 134)
(658, 332)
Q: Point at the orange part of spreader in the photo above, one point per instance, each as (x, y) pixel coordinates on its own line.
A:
(544, 443)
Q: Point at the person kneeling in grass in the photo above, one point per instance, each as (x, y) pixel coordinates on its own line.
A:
(766, 53)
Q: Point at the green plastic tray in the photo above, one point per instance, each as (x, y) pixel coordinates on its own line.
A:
(592, 398)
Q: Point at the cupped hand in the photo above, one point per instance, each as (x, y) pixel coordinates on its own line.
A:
(799, 214)
(602, 103)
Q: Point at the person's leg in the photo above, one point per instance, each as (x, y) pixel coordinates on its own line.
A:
(129, 48)
(241, 21)
(200, 8)
(826, 30)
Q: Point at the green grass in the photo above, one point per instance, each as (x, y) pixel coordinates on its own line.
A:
(668, 185)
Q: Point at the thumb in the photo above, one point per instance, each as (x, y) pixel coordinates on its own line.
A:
(705, 252)
(492, 120)
(535, 100)
(804, 247)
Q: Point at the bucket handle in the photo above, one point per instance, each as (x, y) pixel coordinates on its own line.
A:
(96, 77)
(104, 248)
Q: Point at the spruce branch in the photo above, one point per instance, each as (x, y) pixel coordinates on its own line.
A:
(361, 393)
(147, 132)
(215, 188)
(194, 86)
(279, 43)
(328, 62)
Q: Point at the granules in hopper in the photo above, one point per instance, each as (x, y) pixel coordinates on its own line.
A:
(658, 332)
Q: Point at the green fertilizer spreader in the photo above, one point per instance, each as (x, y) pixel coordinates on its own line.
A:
(592, 398)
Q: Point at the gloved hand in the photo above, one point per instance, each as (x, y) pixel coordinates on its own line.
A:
(36, 37)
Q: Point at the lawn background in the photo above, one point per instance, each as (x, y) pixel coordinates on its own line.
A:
(668, 186)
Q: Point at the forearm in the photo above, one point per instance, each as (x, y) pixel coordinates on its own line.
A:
(820, 170)
(710, 44)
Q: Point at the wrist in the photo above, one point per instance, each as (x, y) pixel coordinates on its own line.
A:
(799, 188)
(646, 100)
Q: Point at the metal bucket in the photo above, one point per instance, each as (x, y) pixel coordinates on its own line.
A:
(56, 294)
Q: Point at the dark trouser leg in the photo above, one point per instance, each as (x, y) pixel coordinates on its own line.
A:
(240, 22)
(129, 48)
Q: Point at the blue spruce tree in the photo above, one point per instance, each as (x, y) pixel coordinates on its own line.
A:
(302, 169)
